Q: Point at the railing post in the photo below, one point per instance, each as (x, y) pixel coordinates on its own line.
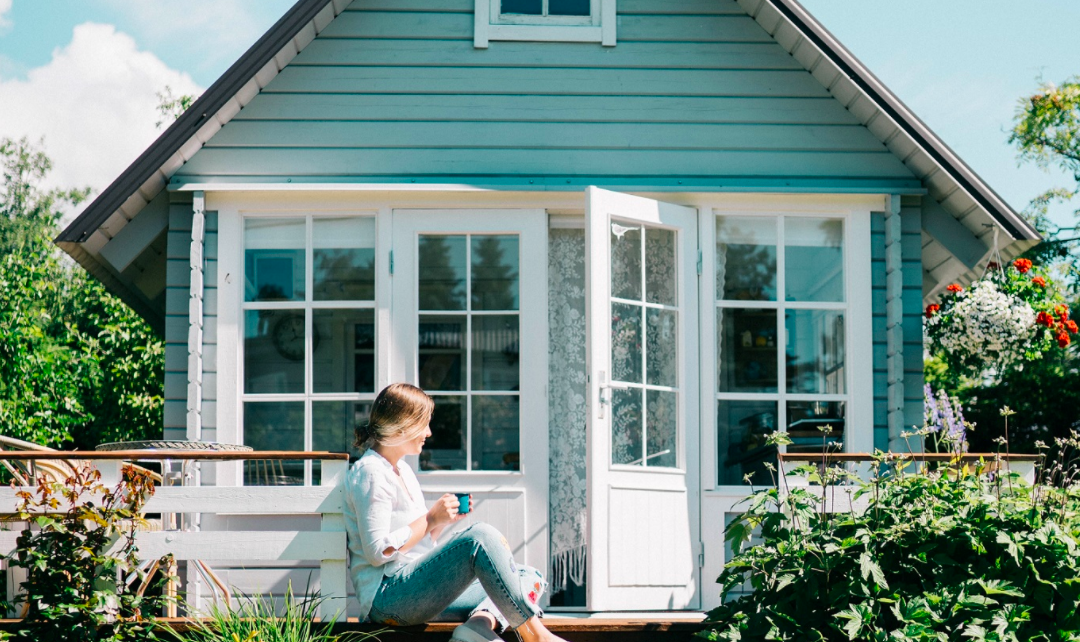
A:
(333, 574)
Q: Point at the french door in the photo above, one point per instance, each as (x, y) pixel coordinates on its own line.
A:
(469, 320)
(643, 467)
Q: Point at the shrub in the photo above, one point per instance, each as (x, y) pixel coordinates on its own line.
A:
(963, 552)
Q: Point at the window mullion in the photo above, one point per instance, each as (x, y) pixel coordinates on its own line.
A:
(468, 354)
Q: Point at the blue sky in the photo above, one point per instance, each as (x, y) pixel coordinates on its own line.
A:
(84, 74)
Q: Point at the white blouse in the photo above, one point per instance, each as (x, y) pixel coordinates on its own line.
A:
(378, 511)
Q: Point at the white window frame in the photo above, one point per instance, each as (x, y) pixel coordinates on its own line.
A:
(491, 24)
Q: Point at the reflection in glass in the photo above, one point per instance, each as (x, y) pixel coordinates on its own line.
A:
(344, 359)
(441, 278)
(569, 7)
(441, 351)
(662, 347)
(626, 343)
(660, 264)
(815, 351)
(274, 259)
(662, 428)
(626, 426)
(747, 350)
(814, 259)
(496, 349)
(625, 261)
(494, 272)
(746, 258)
(741, 429)
(526, 7)
(815, 425)
(445, 449)
(333, 429)
(274, 346)
(495, 422)
(344, 259)
(274, 425)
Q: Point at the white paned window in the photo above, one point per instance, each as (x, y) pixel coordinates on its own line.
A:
(545, 20)
(782, 312)
(308, 338)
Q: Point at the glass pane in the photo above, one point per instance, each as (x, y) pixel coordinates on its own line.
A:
(495, 433)
(343, 342)
(445, 448)
(333, 429)
(277, 425)
(662, 352)
(660, 274)
(662, 428)
(815, 425)
(527, 7)
(496, 348)
(344, 259)
(815, 351)
(626, 427)
(274, 347)
(441, 279)
(495, 272)
(442, 348)
(746, 258)
(569, 7)
(625, 343)
(741, 429)
(625, 262)
(274, 259)
(747, 350)
(814, 259)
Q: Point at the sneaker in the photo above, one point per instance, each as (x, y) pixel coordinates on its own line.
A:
(465, 633)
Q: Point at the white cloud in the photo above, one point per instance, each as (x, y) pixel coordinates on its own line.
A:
(94, 103)
(5, 6)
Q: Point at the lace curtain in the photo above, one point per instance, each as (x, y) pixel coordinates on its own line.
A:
(566, 405)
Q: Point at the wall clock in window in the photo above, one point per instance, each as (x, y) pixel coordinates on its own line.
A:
(288, 337)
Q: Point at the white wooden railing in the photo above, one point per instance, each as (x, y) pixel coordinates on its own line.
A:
(327, 546)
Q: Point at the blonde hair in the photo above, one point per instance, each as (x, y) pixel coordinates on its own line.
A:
(400, 413)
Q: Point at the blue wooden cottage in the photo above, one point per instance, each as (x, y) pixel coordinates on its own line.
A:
(619, 241)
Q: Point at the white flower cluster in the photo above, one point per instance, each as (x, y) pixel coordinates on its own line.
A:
(985, 325)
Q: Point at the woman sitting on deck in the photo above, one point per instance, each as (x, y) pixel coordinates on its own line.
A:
(400, 575)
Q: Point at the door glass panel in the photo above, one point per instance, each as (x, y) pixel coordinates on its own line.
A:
(442, 352)
(495, 353)
(274, 425)
(662, 347)
(494, 272)
(660, 279)
(442, 270)
(625, 262)
(746, 258)
(445, 449)
(747, 350)
(815, 425)
(344, 259)
(274, 347)
(626, 426)
(662, 428)
(742, 427)
(344, 350)
(274, 259)
(814, 259)
(626, 343)
(495, 423)
(815, 351)
(333, 429)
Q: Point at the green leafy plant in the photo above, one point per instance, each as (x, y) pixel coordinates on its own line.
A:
(963, 551)
(83, 579)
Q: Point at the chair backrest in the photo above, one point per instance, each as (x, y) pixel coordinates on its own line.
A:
(25, 472)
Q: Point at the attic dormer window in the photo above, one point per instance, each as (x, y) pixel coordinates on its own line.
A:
(545, 20)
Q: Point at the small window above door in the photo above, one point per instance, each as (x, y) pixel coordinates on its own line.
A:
(545, 21)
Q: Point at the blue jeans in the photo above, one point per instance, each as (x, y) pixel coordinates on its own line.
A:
(472, 572)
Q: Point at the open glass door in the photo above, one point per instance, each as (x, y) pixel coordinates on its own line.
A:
(642, 350)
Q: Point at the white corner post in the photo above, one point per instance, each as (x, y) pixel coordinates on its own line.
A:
(894, 323)
(195, 320)
(333, 573)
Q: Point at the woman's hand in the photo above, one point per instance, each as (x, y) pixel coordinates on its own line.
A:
(444, 511)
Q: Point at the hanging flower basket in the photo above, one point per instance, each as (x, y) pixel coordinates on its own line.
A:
(1009, 316)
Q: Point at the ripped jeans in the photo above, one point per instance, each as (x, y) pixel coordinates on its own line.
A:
(472, 572)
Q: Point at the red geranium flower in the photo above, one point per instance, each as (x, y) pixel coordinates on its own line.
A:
(1070, 325)
(932, 309)
(1061, 311)
(1046, 319)
(1022, 264)
(1040, 281)
(1063, 340)
(955, 288)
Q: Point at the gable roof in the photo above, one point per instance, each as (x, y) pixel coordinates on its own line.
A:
(966, 201)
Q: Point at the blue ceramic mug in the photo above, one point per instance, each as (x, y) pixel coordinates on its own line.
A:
(463, 498)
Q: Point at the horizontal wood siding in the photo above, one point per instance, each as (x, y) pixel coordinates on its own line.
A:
(393, 90)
